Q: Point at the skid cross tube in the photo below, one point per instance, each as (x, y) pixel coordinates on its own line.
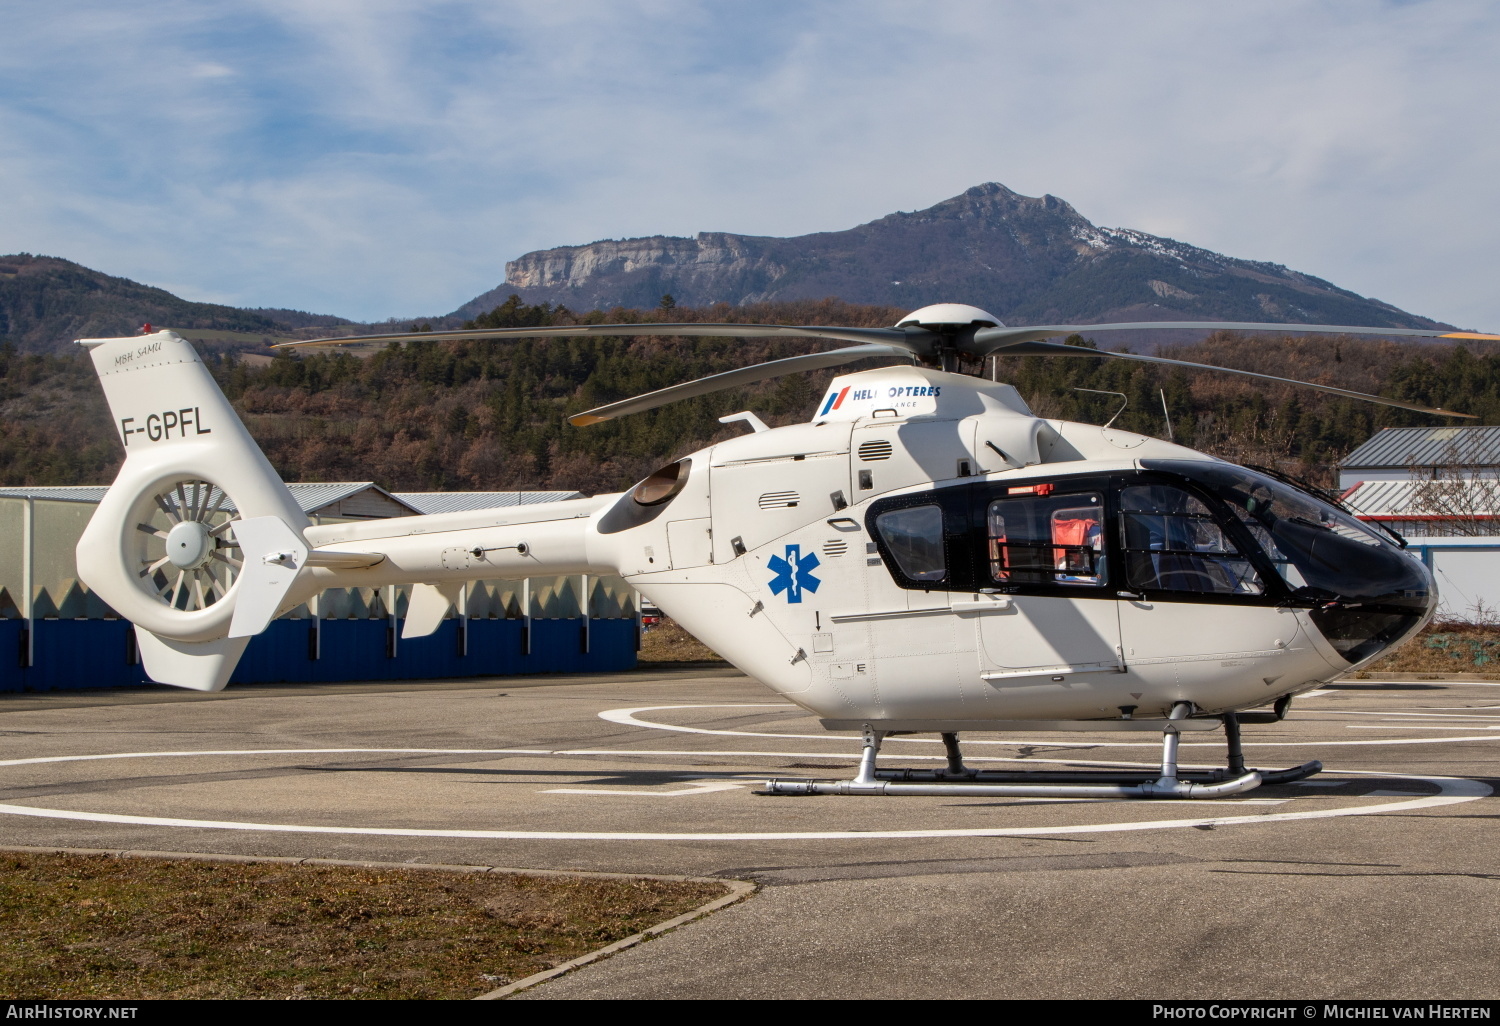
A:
(957, 779)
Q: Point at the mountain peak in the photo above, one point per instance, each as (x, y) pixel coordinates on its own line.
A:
(1029, 259)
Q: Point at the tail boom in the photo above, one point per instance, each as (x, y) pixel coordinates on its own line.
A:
(456, 547)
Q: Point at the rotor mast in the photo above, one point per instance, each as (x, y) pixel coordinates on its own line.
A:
(945, 334)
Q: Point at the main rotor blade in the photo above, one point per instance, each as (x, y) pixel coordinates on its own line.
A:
(917, 340)
(990, 340)
(1059, 349)
(731, 379)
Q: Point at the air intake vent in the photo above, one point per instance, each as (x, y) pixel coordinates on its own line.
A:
(879, 449)
(835, 547)
(779, 500)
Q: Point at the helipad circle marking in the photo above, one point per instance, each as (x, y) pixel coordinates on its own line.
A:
(1451, 790)
(627, 717)
(282, 751)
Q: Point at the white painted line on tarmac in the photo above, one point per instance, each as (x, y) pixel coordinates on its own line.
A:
(628, 717)
(1424, 726)
(1431, 683)
(1385, 740)
(1413, 716)
(279, 751)
(678, 753)
(1452, 790)
(705, 788)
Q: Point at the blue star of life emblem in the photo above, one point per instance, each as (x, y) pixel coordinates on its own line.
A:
(794, 573)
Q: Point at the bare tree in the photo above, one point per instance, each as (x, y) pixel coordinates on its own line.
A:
(1458, 496)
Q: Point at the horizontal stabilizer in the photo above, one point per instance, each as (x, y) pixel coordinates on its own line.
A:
(428, 605)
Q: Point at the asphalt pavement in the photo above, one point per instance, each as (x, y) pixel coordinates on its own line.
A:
(1376, 879)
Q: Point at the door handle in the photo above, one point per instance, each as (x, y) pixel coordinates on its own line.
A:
(999, 604)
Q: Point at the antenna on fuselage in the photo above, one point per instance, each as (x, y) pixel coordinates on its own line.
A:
(1099, 391)
(1167, 414)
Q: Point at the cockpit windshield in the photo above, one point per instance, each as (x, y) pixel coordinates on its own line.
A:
(1312, 544)
(1367, 592)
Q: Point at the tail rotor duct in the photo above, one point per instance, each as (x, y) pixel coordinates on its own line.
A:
(187, 557)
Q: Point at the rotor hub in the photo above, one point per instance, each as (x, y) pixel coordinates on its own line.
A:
(189, 545)
(939, 316)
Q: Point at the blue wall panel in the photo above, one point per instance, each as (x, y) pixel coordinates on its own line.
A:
(95, 653)
(82, 654)
(68, 654)
(10, 655)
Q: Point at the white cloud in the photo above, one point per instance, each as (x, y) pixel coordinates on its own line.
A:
(377, 159)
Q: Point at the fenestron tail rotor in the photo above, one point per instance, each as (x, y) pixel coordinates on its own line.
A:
(948, 336)
(186, 555)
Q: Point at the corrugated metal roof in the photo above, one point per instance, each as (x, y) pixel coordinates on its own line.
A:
(456, 502)
(1398, 448)
(311, 496)
(59, 493)
(1403, 499)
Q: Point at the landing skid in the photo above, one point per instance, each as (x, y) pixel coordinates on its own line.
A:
(958, 779)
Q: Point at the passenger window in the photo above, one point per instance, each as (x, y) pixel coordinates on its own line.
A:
(915, 539)
(1045, 539)
(1173, 543)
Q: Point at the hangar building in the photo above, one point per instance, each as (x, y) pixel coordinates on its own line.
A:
(54, 633)
(1440, 488)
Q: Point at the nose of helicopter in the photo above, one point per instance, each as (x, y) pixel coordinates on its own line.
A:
(1363, 592)
(1364, 624)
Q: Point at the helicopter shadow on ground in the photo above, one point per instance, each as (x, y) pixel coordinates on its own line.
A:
(637, 778)
(1361, 787)
(792, 875)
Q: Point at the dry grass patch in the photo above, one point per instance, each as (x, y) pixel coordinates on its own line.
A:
(1446, 647)
(667, 642)
(100, 926)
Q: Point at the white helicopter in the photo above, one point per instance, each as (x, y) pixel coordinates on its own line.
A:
(925, 556)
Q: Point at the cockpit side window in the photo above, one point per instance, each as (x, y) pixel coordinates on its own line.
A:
(1047, 539)
(1172, 542)
(914, 538)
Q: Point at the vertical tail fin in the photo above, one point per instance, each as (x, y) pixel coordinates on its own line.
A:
(162, 548)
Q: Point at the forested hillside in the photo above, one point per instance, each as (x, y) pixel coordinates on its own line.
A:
(490, 415)
(47, 302)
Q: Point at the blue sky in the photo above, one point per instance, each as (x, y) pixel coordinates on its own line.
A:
(382, 158)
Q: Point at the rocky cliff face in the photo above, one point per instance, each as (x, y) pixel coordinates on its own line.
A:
(1029, 260)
